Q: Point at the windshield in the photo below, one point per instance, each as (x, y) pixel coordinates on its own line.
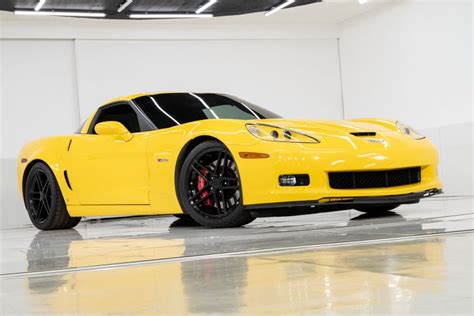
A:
(171, 109)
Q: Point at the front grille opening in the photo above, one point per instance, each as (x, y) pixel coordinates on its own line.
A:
(364, 134)
(374, 179)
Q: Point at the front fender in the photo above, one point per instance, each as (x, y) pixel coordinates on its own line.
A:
(48, 150)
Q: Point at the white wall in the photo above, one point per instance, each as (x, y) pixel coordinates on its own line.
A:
(39, 98)
(412, 61)
(296, 78)
(39, 91)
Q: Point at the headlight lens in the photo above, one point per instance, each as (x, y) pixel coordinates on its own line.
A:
(279, 134)
(407, 130)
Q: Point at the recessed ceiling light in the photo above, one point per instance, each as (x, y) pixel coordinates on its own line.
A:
(168, 16)
(63, 13)
(206, 6)
(362, 1)
(124, 5)
(40, 5)
(278, 8)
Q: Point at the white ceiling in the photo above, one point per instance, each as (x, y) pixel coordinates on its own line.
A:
(326, 12)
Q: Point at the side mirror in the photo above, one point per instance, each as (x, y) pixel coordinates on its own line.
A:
(113, 128)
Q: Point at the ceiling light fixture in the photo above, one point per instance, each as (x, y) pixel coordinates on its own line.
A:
(124, 5)
(362, 1)
(278, 8)
(40, 5)
(63, 13)
(168, 16)
(206, 6)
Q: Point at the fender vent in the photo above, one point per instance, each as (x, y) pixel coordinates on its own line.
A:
(364, 134)
(67, 180)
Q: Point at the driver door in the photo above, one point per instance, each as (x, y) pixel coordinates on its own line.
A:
(107, 170)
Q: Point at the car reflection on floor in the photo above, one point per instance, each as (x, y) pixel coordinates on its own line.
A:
(305, 280)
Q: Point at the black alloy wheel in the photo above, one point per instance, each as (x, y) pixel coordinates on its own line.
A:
(39, 196)
(44, 201)
(209, 187)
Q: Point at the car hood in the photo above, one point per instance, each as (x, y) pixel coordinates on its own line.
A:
(351, 133)
(329, 127)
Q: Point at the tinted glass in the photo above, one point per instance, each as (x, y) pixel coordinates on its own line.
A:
(122, 113)
(171, 109)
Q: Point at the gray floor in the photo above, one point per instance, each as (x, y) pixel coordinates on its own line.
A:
(416, 260)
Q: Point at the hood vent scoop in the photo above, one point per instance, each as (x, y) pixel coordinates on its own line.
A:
(364, 134)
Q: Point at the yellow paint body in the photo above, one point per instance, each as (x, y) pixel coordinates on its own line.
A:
(111, 176)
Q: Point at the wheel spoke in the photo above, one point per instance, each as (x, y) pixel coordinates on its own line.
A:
(34, 211)
(200, 173)
(218, 163)
(47, 205)
(47, 192)
(224, 201)
(39, 182)
(232, 187)
(207, 197)
(218, 203)
(200, 192)
(39, 209)
(224, 165)
(44, 211)
(45, 186)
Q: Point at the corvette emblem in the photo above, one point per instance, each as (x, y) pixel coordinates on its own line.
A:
(376, 141)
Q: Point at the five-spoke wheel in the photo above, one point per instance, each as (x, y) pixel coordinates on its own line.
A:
(44, 201)
(39, 196)
(209, 187)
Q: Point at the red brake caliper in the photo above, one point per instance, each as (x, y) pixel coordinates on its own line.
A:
(201, 183)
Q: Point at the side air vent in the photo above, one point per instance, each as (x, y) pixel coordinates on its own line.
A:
(364, 134)
(67, 180)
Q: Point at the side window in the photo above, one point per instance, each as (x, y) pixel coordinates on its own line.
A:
(122, 113)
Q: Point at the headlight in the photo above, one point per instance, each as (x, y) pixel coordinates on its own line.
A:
(409, 131)
(279, 134)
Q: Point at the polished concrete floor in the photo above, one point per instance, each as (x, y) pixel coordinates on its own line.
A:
(417, 260)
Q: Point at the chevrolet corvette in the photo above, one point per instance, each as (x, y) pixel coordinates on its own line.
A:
(221, 162)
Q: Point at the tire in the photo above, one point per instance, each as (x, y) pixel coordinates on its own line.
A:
(44, 201)
(209, 188)
(377, 208)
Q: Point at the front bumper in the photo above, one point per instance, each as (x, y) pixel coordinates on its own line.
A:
(260, 177)
(335, 204)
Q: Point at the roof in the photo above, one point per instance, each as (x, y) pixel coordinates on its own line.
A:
(128, 97)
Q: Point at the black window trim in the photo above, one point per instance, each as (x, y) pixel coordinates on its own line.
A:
(134, 107)
(142, 114)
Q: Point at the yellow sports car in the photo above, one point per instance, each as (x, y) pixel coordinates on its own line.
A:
(221, 161)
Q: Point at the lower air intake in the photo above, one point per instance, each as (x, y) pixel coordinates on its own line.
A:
(374, 179)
